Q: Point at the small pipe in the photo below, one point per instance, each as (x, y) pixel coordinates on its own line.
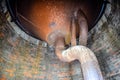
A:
(86, 57)
(59, 47)
(73, 33)
(82, 21)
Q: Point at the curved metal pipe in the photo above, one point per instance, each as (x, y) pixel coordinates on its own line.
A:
(86, 57)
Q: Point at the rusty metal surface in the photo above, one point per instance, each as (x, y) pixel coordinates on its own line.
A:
(42, 17)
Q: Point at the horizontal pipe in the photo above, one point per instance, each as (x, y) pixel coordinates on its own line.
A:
(86, 57)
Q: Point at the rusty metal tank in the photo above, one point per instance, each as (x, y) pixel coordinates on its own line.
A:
(46, 19)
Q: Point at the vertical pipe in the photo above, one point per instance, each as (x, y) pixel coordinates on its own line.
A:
(73, 32)
(89, 64)
(82, 21)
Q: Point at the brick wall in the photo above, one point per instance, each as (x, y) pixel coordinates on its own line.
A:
(104, 40)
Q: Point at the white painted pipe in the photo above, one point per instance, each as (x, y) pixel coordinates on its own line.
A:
(87, 59)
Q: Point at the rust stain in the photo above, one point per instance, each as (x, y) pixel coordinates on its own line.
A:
(41, 77)
(13, 43)
(35, 72)
(63, 74)
(28, 66)
(3, 77)
(11, 72)
(1, 35)
(19, 62)
(27, 74)
(1, 60)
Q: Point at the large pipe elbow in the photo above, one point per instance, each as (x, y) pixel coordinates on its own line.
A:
(87, 59)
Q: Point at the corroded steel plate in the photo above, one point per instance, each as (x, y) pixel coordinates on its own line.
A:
(40, 18)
